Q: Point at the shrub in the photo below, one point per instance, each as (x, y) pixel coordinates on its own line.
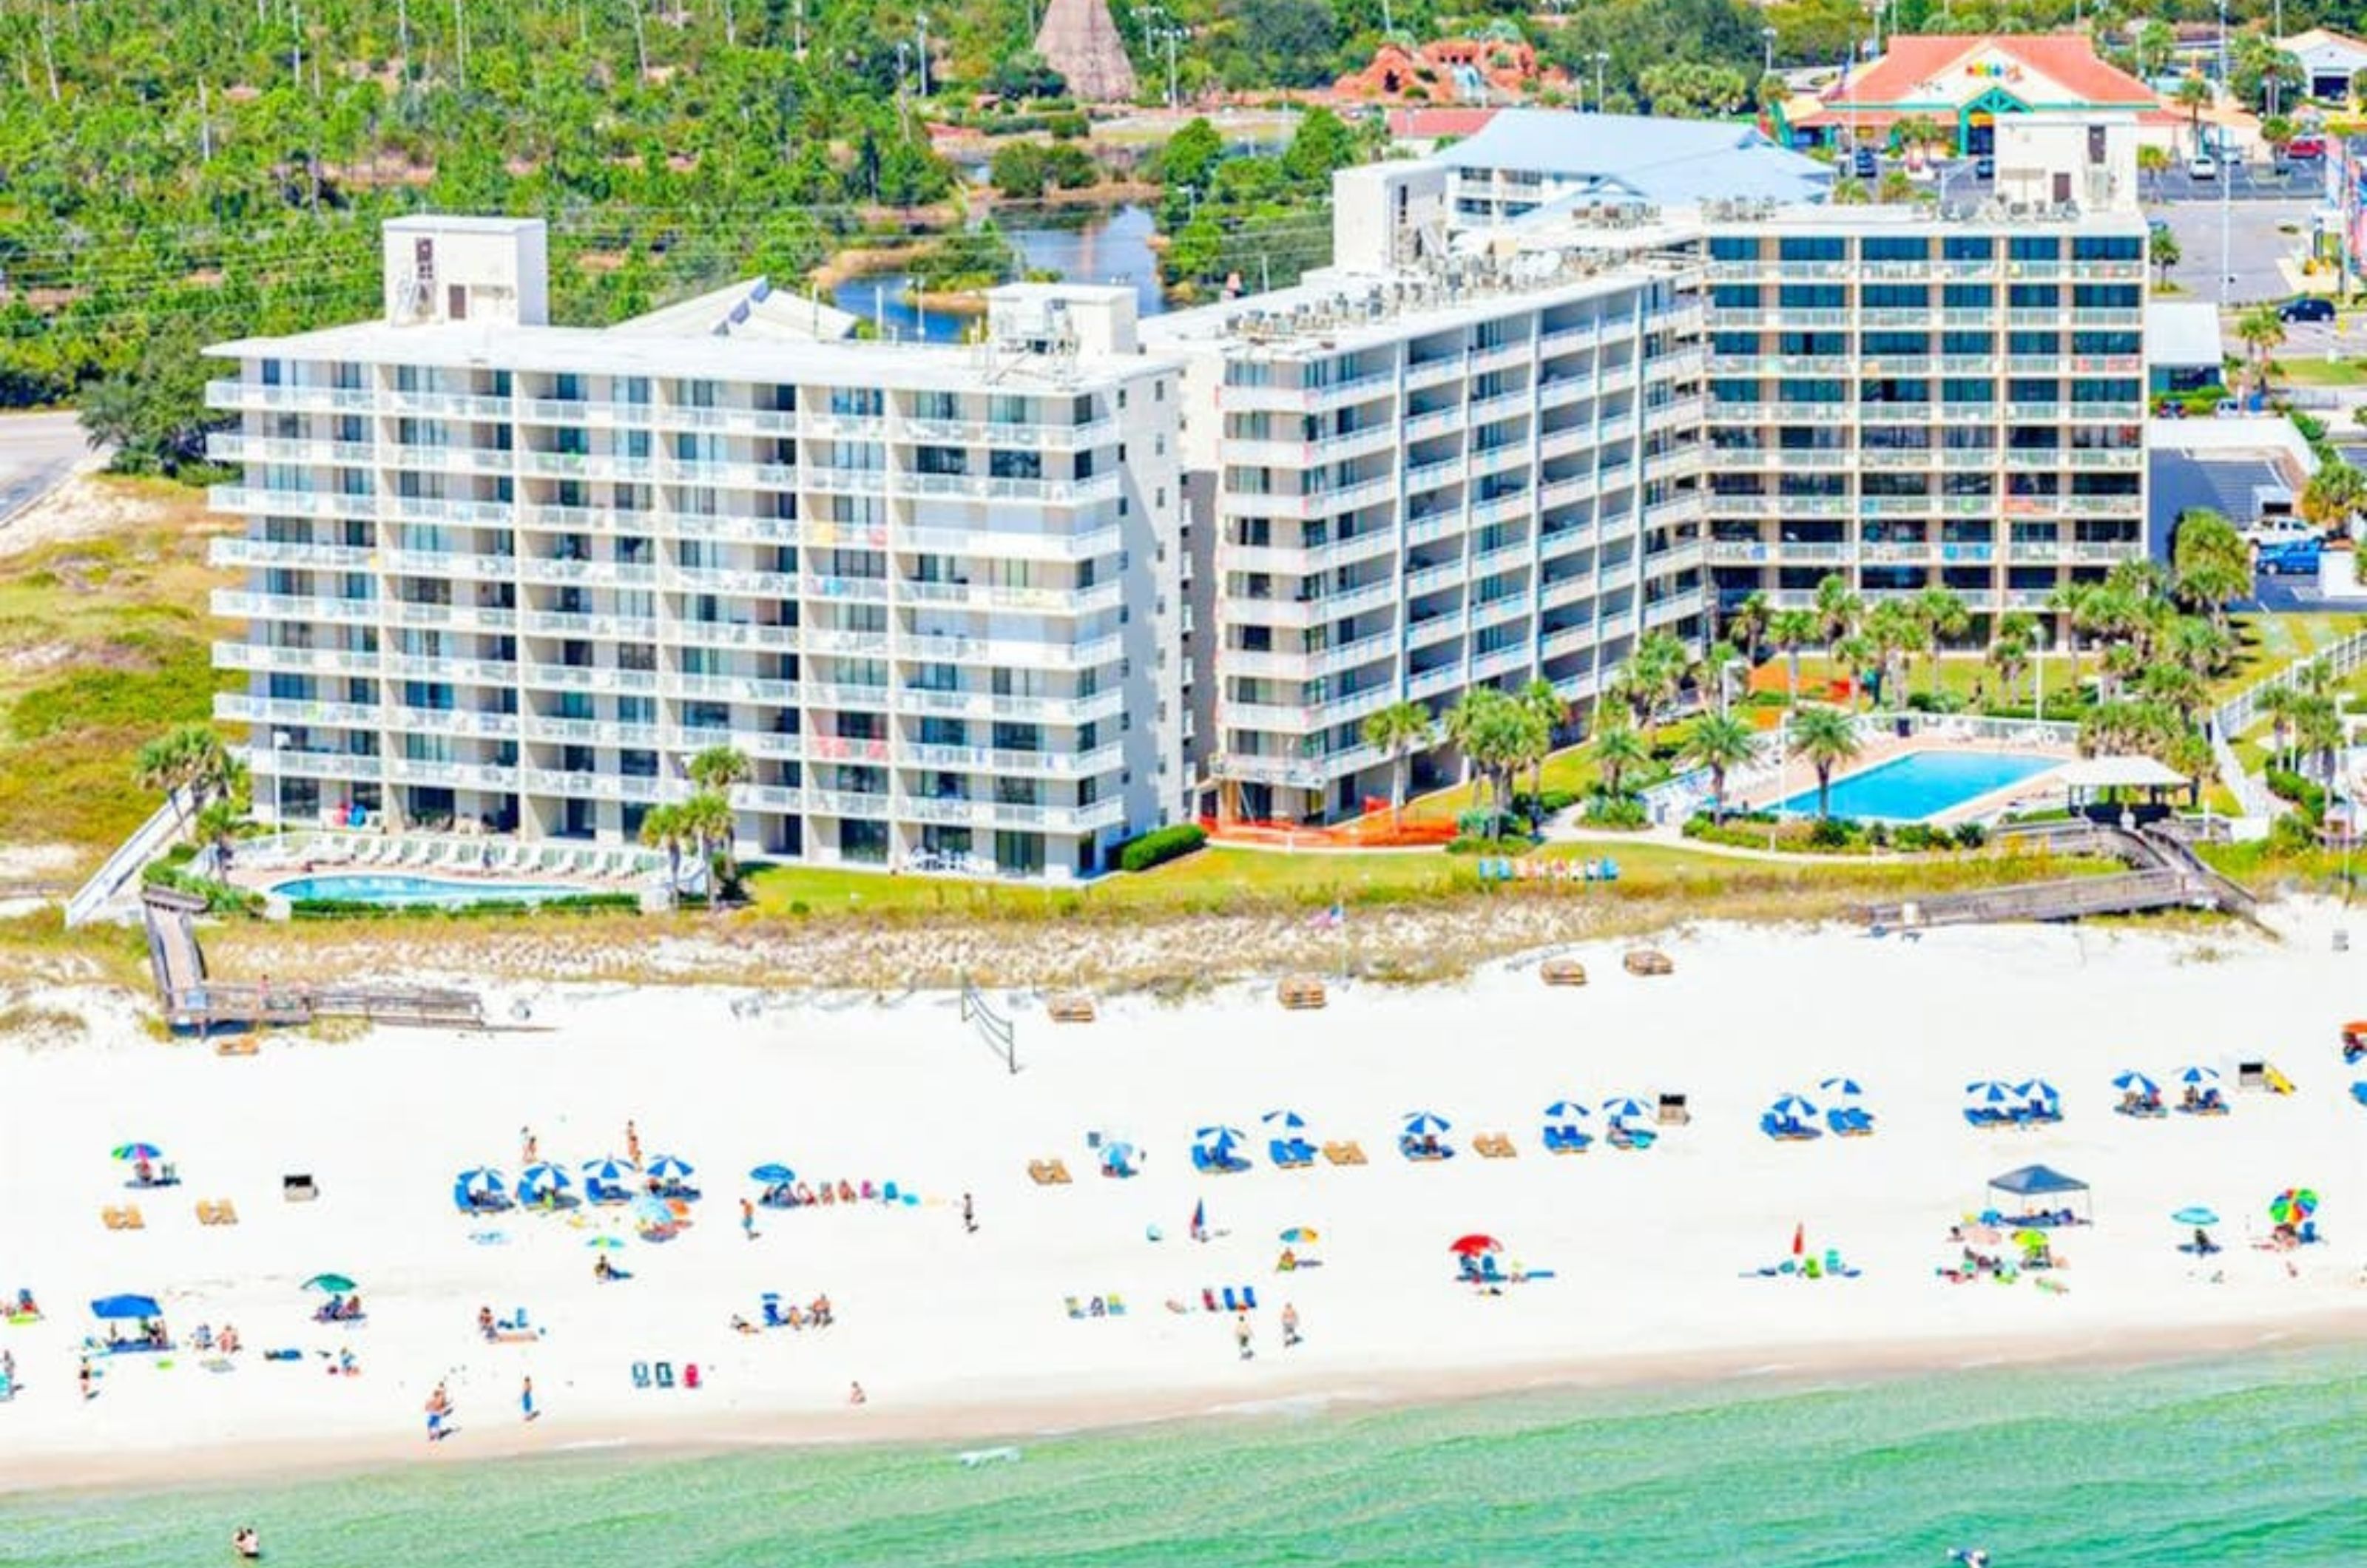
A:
(1620, 811)
(1971, 835)
(1161, 845)
(1831, 833)
(2307, 796)
(2291, 835)
(1878, 835)
(1477, 844)
(1914, 837)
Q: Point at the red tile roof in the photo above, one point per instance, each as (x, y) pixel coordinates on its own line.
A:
(2066, 59)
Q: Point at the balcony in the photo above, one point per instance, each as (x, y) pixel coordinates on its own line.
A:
(249, 552)
(1011, 653)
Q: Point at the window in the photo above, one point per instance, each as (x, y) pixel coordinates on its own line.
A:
(1897, 248)
(2033, 248)
(1968, 297)
(1812, 248)
(1734, 247)
(1968, 248)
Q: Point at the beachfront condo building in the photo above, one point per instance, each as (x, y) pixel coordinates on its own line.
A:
(1488, 456)
(506, 575)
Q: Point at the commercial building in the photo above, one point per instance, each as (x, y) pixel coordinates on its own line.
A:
(1540, 162)
(1969, 83)
(508, 575)
(2329, 61)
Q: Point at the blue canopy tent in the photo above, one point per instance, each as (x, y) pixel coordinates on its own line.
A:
(112, 1307)
(2043, 1186)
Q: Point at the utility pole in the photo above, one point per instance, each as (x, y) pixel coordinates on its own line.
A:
(920, 22)
(2226, 177)
(1767, 35)
(296, 28)
(1601, 59)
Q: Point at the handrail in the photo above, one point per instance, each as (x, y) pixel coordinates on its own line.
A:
(130, 857)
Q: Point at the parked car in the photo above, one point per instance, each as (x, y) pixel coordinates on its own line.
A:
(2305, 147)
(2308, 308)
(1862, 163)
(2201, 168)
(1984, 167)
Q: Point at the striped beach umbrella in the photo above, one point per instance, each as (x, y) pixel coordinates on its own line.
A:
(1794, 1107)
(2138, 1081)
(666, 1167)
(610, 1169)
(1422, 1123)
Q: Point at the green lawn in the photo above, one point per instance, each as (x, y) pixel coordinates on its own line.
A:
(2316, 372)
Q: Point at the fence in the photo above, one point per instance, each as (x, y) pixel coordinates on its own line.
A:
(130, 857)
(2242, 711)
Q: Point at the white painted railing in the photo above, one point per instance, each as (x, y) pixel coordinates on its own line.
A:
(150, 839)
(2242, 711)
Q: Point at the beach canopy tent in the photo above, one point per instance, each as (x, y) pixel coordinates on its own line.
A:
(126, 1307)
(2101, 788)
(2043, 1187)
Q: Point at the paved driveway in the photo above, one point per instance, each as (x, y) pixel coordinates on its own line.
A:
(37, 451)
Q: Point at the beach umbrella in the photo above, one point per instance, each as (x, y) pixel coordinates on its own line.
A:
(1289, 1119)
(2137, 1081)
(1301, 1236)
(667, 1167)
(1793, 1105)
(605, 1244)
(2199, 1075)
(545, 1175)
(2195, 1216)
(1991, 1089)
(1199, 1216)
(331, 1285)
(483, 1175)
(609, 1169)
(1799, 1237)
(1566, 1111)
(1619, 1107)
(2038, 1088)
(1473, 1245)
(126, 1306)
(1422, 1123)
(2293, 1205)
(648, 1209)
(137, 1151)
(772, 1174)
(2027, 1238)
(1220, 1136)
(1117, 1153)
(1841, 1086)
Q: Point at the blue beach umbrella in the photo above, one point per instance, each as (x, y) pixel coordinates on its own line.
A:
(137, 1151)
(1117, 1153)
(1990, 1090)
(1620, 1107)
(1215, 1137)
(2197, 1215)
(1422, 1123)
(1793, 1105)
(2199, 1075)
(1566, 1111)
(126, 1306)
(649, 1211)
(484, 1178)
(1289, 1119)
(1841, 1086)
(606, 1243)
(2038, 1088)
(667, 1167)
(610, 1170)
(545, 1176)
(772, 1174)
(2136, 1080)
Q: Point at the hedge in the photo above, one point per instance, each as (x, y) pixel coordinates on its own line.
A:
(355, 909)
(1161, 845)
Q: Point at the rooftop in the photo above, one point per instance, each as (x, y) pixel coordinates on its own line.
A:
(1914, 68)
(2183, 333)
(1643, 158)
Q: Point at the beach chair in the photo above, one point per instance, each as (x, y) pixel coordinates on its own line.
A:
(132, 1219)
(225, 1211)
(111, 1217)
(1494, 1145)
(1985, 1118)
(1116, 1305)
(1562, 971)
(1232, 1302)
(205, 1211)
(1072, 1007)
(1301, 993)
(1566, 1141)
(1350, 1151)
(1647, 961)
(1040, 1172)
(237, 1046)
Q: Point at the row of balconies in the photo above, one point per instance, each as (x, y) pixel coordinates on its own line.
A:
(1892, 365)
(1748, 552)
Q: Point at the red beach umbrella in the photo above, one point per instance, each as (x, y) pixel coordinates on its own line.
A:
(1799, 1239)
(1473, 1245)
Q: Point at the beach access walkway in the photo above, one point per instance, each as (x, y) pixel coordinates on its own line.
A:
(2164, 874)
(195, 1000)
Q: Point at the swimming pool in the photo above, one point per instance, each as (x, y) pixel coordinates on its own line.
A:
(1923, 784)
(420, 891)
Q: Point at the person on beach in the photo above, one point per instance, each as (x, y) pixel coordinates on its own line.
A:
(525, 1401)
(1289, 1326)
(7, 1368)
(969, 1216)
(855, 1394)
(530, 1146)
(247, 1543)
(1241, 1335)
(632, 1142)
(88, 1392)
(747, 1219)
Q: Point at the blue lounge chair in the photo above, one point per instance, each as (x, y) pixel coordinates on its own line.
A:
(640, 1374)
(1566, 1141)
(1231, 1304)
(2359, 1091)
(1986, 1116)
(1249, 1297)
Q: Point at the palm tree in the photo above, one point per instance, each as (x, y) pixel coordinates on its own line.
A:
(1827, 737)
(1550, 709)
(2194, 94)
(2328, 502)
(1945, 618)
(1854, 656)
(661, 827)
(187, 758)
(1792, 630)
(720, 767)
(1747, 624)
(2263, 331)
(216, 826)
(1618, 749)
(2153, 159)
(1838, 611)
(2210, 562)
(1722, 657)
(1722, 742)
(2163, 251)
(2009, 655)
(1488, 726)
(1397, 731)
(1893, 632)
(1654, 675)
(2070, 601)
(706, 819)
(2281, 702)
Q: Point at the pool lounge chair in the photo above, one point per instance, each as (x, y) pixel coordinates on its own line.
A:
(1414, 1149)
(1566, 1141)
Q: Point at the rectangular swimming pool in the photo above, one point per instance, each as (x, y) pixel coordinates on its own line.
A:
(1922, 785)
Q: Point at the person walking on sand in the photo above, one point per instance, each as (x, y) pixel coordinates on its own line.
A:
(747, 1219)
(1289, 1326)
(632, 1142)
(969, 1216)
(88, 1392)
(525, 1401)
(530, 1146)
(1241, 1335)
(855, 1394)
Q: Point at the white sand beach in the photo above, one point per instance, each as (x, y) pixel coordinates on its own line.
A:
(959, 1336)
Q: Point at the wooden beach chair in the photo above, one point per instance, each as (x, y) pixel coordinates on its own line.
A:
(225, 1211)
(1347, 1153)
(1040, 1172)
(111, 1217)
(1647, 961)
(1494, 1145)
(132, 1218)
(1073, 1008)
(205, 1211)
(1300, 993)
(1562, 972)
(236, 1045)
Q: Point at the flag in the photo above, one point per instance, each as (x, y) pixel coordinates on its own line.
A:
(1331, 920)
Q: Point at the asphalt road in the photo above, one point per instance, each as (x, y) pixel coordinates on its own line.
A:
(36, 452)
(2256, 243)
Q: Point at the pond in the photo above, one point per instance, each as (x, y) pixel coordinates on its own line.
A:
(1083, 244)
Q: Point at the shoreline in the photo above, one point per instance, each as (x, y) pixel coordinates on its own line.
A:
(1773, 1368)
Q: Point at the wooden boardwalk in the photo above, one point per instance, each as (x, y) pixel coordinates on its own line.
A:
(2164, 874)
(195, 1000)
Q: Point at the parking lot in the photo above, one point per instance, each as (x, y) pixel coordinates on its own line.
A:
(2257, 240)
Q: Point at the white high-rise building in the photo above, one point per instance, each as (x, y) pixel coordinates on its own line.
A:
(505, 574)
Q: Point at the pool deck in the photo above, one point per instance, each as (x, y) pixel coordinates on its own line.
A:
(2037, 792)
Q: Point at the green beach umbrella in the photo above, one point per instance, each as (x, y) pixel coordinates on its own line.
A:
(605, 1244)
(335, 1284)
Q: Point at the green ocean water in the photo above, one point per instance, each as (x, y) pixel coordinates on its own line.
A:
(2261, 1463)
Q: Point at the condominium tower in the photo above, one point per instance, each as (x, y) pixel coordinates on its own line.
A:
(505, 574)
